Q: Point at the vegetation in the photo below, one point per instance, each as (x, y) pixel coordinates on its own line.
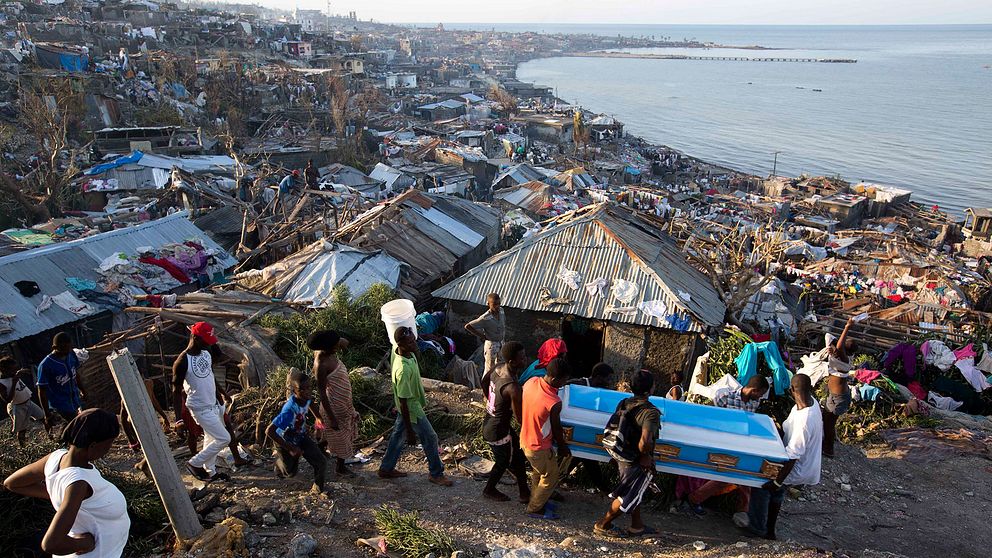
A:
(405, 535)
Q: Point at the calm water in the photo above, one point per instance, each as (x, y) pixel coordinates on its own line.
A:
(915, 111)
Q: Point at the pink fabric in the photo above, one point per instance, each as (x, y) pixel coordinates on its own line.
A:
(684, 486)
(866, 376)
(968, 351)
(917, 390)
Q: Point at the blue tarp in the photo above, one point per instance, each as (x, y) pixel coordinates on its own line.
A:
(134, 157)
(74, 62)
(747, 365)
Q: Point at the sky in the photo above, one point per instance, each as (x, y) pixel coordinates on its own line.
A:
(768, 12)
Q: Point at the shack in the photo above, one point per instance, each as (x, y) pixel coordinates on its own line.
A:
(614, 287)
(438, 237)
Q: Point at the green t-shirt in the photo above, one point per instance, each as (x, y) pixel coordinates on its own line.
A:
(407, 385)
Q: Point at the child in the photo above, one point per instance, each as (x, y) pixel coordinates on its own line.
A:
(18, 399)
(90, 512)
(289, 431)
(337, 409)
(540, 426)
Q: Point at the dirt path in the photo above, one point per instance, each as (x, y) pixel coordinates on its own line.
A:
(893, 507)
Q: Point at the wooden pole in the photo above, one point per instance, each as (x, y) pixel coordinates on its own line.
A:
(154, 445)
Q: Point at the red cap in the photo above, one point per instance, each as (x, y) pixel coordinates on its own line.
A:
(205, 332)
(296, 172)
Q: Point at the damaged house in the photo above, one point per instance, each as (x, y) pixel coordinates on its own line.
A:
(615, 288)
(438, 237)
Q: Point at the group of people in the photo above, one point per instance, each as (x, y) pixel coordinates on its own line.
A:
(91, 513)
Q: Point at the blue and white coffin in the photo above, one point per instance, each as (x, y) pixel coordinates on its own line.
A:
(695, 440)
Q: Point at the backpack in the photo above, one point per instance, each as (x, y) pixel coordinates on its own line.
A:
(622, 435)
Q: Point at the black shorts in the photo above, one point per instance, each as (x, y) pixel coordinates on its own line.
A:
(634, 482)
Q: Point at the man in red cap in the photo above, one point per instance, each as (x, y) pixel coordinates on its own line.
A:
(193, 374)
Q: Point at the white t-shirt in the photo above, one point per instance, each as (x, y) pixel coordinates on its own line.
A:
(803, 442)
(103, 515)
(17, 392)
(201, 389)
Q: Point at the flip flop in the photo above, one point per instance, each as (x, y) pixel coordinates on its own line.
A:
(646, 531)
(548, 514)
(197, 475)
(611, 533)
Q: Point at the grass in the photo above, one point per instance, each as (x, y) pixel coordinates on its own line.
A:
(405, 535)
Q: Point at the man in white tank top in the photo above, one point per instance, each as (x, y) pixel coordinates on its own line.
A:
(193, 374)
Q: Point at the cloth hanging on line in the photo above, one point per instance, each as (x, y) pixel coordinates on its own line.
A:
(655, 308)
(624, 291)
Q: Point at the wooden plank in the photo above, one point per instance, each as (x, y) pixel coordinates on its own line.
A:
(158, 455)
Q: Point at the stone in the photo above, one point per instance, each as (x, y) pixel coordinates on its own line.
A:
(269, 519)
(845, 487)
(301, 546)
(215, 516)
(969, 493)
(459, 554)
(207, 503)
(740, 544)
(568, 542)
(699, 545)
(238, 511)
(845, 478)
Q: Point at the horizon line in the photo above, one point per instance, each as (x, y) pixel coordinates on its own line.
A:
(987, 24)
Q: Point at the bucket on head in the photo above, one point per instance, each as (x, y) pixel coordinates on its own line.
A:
(396, 314)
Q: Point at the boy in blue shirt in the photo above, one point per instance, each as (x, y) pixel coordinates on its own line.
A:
(59, 386)
(289, 431)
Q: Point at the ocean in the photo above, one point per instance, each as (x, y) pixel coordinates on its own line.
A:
(915, 111)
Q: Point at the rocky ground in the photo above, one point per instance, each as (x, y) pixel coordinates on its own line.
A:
(874, 500)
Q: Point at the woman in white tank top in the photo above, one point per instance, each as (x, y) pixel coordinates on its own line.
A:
(90, 513)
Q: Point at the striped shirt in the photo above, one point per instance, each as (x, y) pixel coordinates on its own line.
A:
(733, 399)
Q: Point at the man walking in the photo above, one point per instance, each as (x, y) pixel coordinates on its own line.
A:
(504, 401)
(803, 436)
(540, 425)
(411, 421)
(639, 421)
(490, 327)
(193, 373)
(60, 388)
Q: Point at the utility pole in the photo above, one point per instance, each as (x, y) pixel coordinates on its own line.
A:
(170, 486)
(775, 164)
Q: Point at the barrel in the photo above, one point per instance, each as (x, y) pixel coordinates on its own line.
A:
(398, 313)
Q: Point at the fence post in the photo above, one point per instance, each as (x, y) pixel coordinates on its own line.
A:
(158, 455)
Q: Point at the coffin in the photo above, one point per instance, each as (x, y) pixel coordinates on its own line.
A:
(700, 441)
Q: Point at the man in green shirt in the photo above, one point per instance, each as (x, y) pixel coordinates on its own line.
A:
(411, 421)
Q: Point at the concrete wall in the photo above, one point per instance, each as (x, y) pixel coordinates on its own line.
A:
(624, 348)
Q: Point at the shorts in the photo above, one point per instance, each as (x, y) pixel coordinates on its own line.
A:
(20, 413)
(837, 404)
(634, 482)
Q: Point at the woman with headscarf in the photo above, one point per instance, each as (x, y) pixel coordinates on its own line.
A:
(337, 409)
(90, 513)
(550, 350)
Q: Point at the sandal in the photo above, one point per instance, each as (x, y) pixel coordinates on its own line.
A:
(643, 532)
(611, 533)
(223, 477)
(548, 514)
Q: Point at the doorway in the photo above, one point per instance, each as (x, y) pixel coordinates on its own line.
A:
(584, 339)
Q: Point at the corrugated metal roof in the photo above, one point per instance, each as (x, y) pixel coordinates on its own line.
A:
(532, 196)
(604, 243)
(49, 266)
(523, 173)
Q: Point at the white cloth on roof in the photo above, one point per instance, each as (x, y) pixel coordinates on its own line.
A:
(685, 296)
(45, 304)
(597, 287)
(571, 278)
(945, 403)
(624, 291)
(972, 374)
(69, 302)
(112, 260)
(656, 308)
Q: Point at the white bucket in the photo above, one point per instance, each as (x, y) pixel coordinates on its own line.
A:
(398, 313)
